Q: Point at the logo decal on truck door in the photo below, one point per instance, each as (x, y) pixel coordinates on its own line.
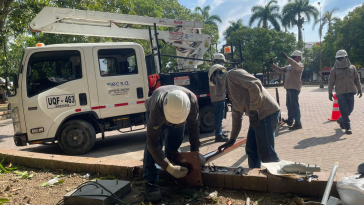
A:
(60, 101)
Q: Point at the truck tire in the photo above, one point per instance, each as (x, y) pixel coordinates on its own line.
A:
(207, 119)
(76, 137)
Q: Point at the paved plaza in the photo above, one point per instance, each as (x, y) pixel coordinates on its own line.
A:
(320, 142)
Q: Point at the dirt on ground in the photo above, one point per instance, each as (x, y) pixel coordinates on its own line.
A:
(28, 186)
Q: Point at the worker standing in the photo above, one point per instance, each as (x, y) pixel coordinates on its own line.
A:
(347, 83)
(168, 109)
(292, 84)
(249, 96)
(218, 96)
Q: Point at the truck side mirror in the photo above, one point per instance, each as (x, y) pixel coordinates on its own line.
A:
(15, 81)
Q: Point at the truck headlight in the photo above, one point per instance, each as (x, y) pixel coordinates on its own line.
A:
(16, 120)
(15, 115)
(17, 128)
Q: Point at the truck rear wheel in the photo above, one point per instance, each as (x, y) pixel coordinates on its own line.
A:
(77, 137)
(207, 119)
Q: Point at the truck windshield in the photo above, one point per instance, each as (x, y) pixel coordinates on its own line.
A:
(52, 68)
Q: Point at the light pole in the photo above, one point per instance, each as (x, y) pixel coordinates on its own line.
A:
(321, 84)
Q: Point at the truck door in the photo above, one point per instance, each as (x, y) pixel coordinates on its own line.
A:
(121, 79)
(54, 85)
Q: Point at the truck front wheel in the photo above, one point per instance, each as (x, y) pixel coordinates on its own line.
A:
(207, 119)
(76, 137)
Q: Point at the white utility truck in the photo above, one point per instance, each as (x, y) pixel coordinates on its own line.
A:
(68, 93)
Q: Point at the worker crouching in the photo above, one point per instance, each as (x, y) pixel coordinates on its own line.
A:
(168, 110)
(249, 96)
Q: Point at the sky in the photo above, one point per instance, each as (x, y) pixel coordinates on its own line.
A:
(232, 10)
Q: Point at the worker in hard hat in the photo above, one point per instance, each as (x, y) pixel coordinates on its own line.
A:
(168, 110)
(293, 86)
(249, 96)
(218, 96)
(347, 83)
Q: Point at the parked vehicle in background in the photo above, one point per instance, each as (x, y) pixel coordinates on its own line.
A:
(274, 81)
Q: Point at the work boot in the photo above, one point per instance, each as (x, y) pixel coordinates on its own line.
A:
(341, 124)
(152, 193)
(287, 122)
(225, 135)
(221, 138)
(348, 131)
(295, 127)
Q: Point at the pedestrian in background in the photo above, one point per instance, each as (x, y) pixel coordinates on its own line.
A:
(218, 96)
(292, 84)
(347, 83)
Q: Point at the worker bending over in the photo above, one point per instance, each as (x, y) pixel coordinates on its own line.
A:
(168, 109)
(249, 96)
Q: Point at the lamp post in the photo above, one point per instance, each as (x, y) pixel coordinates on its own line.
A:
(321, 84)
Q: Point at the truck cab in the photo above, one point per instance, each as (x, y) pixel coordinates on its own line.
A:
(70, 92)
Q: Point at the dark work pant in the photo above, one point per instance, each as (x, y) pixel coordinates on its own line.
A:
(172, 138)
(293, 106)
(219, 108)
(346, 106)
(260, 142)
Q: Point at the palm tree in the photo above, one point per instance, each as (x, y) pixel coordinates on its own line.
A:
(268, 13)
(293, 13)
(234, 26)
(205, 12)
(326, 19)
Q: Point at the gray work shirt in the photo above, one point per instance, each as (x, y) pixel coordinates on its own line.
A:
(293, 74)
(247, 93)
(154, 104)
(346, 80)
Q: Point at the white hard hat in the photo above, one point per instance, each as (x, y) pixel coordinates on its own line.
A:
(341, 53)
(212, 70)
(297, 53)
(219, 56)
(176, 106)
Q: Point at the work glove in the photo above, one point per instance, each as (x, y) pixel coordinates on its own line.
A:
(226, 145)
(177, 171)
(360, 94)
(284, 55)
(271, 61)
(202, 160)
(254, 118)
(331, 96)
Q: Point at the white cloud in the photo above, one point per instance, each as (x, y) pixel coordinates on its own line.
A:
(201, 2)
(342, 14)
(216, 3)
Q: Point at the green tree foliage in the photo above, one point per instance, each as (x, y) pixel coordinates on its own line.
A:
(312, 59)
(328, 19)
(23, 11)
(268, 13)
(347, 34)
(259, 45)
(295, 12)
(234, 26)
(207, 18)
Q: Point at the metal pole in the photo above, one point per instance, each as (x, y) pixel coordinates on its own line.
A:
(159, 54)
(321, 84)
(329, 184)
(277, 96)
(216, 154)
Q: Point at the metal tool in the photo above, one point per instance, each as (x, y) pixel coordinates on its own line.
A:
(238, 171)
(300, 168)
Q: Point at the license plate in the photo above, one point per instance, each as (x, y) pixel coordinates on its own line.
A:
(61, 101)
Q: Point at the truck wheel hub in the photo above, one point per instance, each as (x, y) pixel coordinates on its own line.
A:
(208, 119)
(75, 136)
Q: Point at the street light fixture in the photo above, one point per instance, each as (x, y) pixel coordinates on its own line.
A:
(321, 84)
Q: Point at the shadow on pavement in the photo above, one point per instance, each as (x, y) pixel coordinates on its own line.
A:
(321, 90)
(241, 160)
(314, 141)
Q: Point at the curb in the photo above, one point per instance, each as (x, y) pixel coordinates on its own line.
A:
(249, 179)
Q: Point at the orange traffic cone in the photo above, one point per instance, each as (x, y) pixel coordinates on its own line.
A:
(335, 110)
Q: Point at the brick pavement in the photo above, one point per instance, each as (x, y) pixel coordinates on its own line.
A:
(320, 141)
